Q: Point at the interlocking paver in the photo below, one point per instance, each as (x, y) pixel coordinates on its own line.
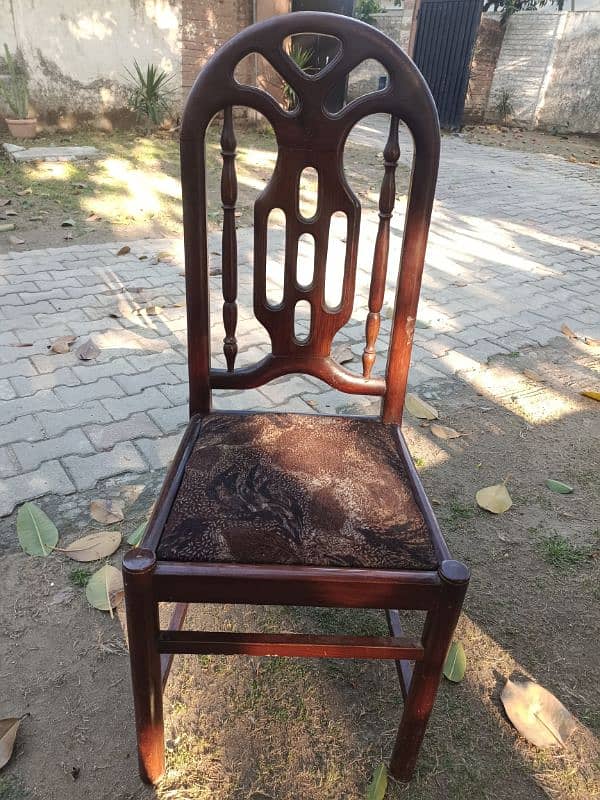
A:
(31, 454)
(103, 437)
(86, 471)
(50, 477)
(505, 268)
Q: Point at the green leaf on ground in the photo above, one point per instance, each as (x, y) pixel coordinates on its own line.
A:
(37, 533)
(136, 537)
(104, 589)
(456, 663)
(559, 486)
(378, 785)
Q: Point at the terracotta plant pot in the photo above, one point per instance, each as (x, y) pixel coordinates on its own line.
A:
(22, 128)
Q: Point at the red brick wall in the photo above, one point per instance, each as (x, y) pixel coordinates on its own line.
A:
(485, 56)
(206, 25)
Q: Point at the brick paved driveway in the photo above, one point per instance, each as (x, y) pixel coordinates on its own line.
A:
(514, 252)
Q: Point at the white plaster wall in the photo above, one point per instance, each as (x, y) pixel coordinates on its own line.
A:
(550, 64)
(76, 51)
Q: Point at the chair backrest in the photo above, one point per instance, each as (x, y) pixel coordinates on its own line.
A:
(309, 135)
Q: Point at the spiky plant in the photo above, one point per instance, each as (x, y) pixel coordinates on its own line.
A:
(14, 90)
(301, 56)
(150, 95)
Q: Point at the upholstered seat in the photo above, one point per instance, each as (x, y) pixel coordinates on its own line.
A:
(296, 489)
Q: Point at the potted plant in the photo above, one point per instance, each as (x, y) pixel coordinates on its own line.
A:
(14, 91)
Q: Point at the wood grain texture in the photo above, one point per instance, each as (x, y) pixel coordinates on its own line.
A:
(307, 136)
(387, 199)
(311, 137)
(229, 238)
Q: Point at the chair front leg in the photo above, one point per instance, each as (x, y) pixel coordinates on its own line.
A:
(142, 630)
(437, 636)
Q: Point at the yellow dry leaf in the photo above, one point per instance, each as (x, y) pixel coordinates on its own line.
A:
(419, 408)
(533, 375)
(443, 432)
(564, 328)
(591, 394)
(494, 498)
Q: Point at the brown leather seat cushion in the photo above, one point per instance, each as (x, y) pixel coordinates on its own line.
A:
(296, 489)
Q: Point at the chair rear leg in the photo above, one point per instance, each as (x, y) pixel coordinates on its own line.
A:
(142, 629)
(437, 637)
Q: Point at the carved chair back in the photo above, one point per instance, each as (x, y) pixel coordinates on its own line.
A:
(308, 135)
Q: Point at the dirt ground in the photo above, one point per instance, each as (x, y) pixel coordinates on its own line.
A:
(133, 190)
(276, 729)
(570, 146)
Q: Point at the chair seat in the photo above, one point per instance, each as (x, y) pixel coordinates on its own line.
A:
(296, 489)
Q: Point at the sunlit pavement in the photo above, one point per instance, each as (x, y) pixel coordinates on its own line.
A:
(514, 253)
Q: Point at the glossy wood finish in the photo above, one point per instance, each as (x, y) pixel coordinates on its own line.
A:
(285, 644)
(229, 240)
(404, 666)
(308, 136)
(387, 198)
(175, 624)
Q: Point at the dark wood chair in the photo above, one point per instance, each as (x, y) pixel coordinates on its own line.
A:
(291, 509)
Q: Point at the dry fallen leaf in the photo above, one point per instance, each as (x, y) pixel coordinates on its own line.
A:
(153, 311)
(494, 498)
(536, 713)
(564, 328)
(593, 395)
(443, 432)
(124, 250)
(164, 255)
(15, 240)
(94, 546)
(591, 342)
(533, 375)
(87, 351)
(23, 192)
(7, 226)
(67, 223)
(8, 734)
(62, 344)
(419, 408)
(107, 512)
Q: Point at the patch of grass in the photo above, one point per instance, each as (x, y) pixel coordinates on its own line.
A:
(79, 577)
(10, 789)
(419, 462)
(560, 553)
(458, 511)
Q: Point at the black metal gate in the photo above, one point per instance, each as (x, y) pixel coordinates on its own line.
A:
(446, 33)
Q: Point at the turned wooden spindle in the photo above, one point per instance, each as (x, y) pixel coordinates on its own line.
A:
(387, 196)
(229, 240)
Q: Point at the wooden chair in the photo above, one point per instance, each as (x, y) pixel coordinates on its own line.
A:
(291, 509)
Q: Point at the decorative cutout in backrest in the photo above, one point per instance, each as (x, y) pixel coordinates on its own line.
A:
(309, 136)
